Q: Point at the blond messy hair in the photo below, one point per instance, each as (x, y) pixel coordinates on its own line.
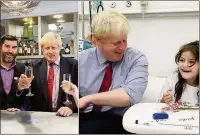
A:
(110, 23)
(51, 37)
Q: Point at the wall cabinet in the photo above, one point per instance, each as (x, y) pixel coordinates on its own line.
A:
(29, 28)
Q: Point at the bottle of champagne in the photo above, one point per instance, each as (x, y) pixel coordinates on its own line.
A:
(24, 48)
(28, 49)
(20, 49)
(33, 47)
(36, 49)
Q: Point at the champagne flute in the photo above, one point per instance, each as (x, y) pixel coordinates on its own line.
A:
(67, 77)
(29, 74)
(164, 89)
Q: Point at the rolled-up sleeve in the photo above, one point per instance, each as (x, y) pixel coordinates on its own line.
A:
(137, 79)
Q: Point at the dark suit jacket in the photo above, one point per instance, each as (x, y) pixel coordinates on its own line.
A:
(11, 100)
(39, 86)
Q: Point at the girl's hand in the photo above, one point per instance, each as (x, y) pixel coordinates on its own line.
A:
(167, 97)
(69, 88)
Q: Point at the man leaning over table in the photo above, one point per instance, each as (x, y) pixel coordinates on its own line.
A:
(112, 77)
(48, 77)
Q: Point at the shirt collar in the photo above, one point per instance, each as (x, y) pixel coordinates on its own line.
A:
(11, 67)
(57, 62)
(100, 57)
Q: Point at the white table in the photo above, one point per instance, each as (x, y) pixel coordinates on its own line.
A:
(144, 111)
(38, 123)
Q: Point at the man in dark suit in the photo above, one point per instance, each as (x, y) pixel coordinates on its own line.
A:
(48, 76)
(10, 70)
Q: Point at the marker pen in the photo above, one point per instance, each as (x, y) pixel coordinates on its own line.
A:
(154, 123)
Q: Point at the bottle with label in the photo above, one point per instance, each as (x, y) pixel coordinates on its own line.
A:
(67, 49)
(24, 49)
(32, 46)
(33, 49)
(28, 49)
(20, 49)
(36, 49)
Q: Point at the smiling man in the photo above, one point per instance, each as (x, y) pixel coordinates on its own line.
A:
(48, 75)
(112, 76)
(10, 70)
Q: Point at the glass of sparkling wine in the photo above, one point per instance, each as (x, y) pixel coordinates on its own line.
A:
(67, 77)
(29, 74)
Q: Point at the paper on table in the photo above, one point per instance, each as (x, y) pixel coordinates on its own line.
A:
(181, 118)
(184, 117)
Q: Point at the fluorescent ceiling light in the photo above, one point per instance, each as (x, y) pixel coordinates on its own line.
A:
(58, 16)
(52, 27)
(60, 21)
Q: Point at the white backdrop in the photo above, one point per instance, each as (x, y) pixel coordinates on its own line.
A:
(160, 35)
(160, 39)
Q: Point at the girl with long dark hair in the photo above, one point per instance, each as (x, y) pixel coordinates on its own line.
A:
(183, 86)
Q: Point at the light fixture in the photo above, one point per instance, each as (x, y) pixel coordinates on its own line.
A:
(18, 7)
(30, 20)
(52, 27)
(60, 21)
(58, 16)
(25, 19)
(143, 4)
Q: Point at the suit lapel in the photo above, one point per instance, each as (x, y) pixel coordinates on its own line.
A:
(43, 77)
(14, 82)
(13, 88)
(1, 85)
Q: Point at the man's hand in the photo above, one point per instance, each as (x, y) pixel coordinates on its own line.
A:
(167, 97)
(13, 109)
(64, 111)
(24, 82)
(85, 101)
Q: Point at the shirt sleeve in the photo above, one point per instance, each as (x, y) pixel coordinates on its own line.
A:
(136, 81)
